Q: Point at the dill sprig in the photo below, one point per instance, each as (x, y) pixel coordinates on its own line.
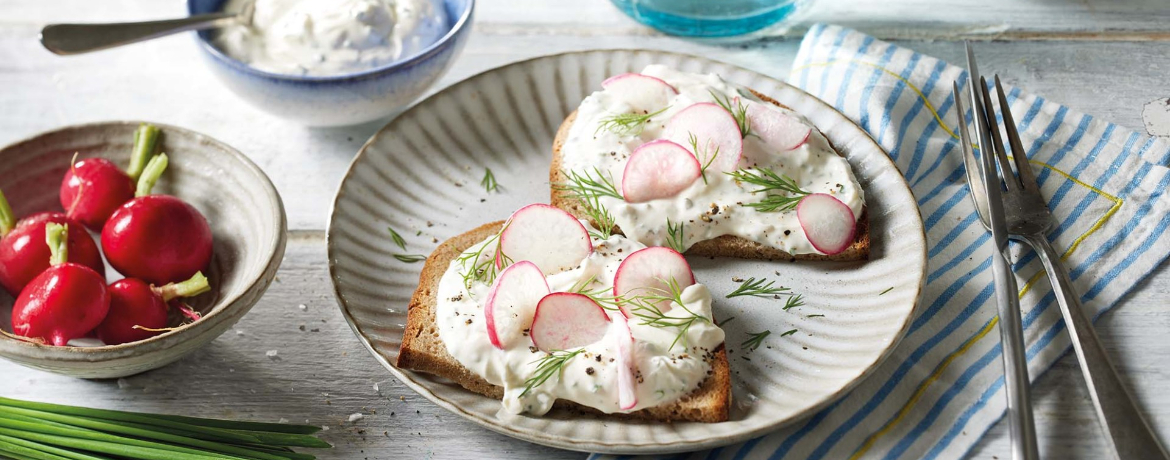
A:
(588, 190)
(755, 340)
(603, 296)
(705, 163)
(580, 186)
(788, 333)
(396, 238)
(794, 301)
(627, 124)
(645, 308)
(410, 258)
(758, 288)
(891, 288)
(739, 112)
(767, 180)
(675, 236)
(550, 365)
(483, 269)
(599, 215)
(489, 181)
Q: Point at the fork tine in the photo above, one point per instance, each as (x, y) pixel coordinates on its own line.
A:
(1019, 155)
(974, 176)
(1009, 180)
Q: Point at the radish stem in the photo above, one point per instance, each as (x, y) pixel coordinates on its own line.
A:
(57, 237)
(7, 218)
(150, 175)
(145, 138)
(190, 288)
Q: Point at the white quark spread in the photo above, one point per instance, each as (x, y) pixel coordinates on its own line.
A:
(714, 208)
(329, 37)
(663, 374)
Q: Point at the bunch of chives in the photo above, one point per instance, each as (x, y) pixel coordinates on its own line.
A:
(41, 431)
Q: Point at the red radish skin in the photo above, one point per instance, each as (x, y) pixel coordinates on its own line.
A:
(567, 320)
(552, 239)
(92, 189)
(658, 169)
(627, 385)
(511, 302)
(828, 223)
(24, 255)
(132, 303)
(715, 131)
(138, 311)
(159, 239)
(644, 93)
(777, 129)
(64, 302)
(645, 272)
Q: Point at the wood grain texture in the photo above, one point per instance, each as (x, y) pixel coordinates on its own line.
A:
(325, 376)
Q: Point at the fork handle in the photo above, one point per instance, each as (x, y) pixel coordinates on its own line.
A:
(1126, 431)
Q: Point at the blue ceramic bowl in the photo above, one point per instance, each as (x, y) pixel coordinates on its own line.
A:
(346, 99)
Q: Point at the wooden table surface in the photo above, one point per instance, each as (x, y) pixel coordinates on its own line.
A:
(1108, 59)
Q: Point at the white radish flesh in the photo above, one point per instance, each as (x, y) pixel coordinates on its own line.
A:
(777, 129)
(658, 169)
(644, 93)
(627, 386)
(715, 131)
(550, 238)
(827, 222)
(647, 272)
(511, 302)
(566, 320)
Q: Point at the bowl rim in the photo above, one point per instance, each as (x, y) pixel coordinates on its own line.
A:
(446, 40)
(275, 246)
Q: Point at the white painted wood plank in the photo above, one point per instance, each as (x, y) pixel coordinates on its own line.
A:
(907, 19)
(307, 164)
(323, 376)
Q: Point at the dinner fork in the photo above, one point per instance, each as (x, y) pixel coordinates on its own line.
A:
(1028, 219)
(1015, 362)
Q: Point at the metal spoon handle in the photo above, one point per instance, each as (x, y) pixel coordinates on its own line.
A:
(1127, 432)
(66, 39)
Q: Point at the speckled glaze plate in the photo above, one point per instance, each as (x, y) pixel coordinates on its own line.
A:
(420, 175)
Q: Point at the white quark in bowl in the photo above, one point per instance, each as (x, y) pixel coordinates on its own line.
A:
(331, 37)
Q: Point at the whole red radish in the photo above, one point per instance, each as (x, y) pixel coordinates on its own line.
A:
(94, 187)
(23, 253)
(159, 239)
(65, 301)
(138, 311)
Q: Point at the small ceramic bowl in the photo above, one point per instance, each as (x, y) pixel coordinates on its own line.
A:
(247, 224)
(342, 99)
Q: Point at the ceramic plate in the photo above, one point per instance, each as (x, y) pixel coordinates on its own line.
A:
(420, 175)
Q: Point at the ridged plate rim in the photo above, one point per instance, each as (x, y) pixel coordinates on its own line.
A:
(408, 378)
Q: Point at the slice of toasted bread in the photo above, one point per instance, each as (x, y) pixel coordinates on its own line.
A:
(422, 350)
(723, 246)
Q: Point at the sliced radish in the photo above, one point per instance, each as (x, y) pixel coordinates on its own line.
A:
(643, 92)
(647, 271)
(566, 320)
(658, 169)
(550, 238)
(715, 131)
(778, 129)
(511, 302)
(627, 386)
(827, 222)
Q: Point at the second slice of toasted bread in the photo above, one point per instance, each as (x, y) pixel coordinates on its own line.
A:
(422, 350)
(723, 246)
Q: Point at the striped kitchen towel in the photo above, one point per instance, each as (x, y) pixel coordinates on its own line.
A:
(942, 388)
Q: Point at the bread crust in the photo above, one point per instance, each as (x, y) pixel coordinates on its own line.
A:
(423, 351)
(722, 246)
